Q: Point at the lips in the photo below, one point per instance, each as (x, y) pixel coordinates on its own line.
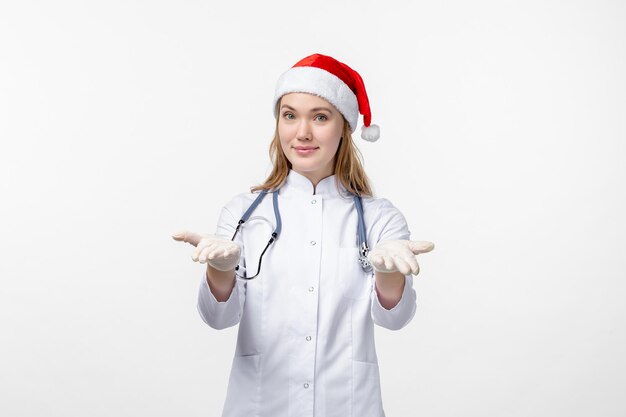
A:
(305, 150)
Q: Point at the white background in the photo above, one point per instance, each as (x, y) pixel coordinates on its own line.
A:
(502, 140)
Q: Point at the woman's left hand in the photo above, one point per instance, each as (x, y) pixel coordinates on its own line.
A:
(398, 255)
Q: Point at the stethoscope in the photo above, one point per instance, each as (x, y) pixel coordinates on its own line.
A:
(362, 237)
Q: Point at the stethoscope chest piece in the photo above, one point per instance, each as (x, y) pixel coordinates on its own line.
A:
(365, 263)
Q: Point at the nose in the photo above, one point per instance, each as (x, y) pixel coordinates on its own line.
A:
(304, 131)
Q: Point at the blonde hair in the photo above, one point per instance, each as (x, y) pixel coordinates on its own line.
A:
(348, 165)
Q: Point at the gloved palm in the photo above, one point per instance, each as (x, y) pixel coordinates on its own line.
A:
(222, 254)
(398, 255)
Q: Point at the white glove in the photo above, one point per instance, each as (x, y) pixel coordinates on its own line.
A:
(222, 254)
(398, 255)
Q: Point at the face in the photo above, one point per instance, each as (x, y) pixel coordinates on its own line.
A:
(310, 130)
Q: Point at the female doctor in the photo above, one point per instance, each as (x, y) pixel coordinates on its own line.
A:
(290, 261)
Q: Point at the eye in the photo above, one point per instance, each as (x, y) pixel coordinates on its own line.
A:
(288, 115)
(321, 117)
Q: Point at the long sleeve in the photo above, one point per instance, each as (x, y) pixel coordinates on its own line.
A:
(401, 314)
(390, 224)
(220, 315)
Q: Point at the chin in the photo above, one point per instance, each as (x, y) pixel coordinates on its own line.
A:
(304, 168)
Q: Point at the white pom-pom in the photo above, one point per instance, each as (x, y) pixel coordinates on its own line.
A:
(370, 133)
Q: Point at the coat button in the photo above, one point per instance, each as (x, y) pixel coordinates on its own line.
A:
(313, 201)
(312, 243)
(311, 289)
(308, 338)
(306, 385)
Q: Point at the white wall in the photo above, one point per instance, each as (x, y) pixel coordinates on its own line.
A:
(503, 141)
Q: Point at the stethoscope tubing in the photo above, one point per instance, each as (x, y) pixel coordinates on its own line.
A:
(362, 235)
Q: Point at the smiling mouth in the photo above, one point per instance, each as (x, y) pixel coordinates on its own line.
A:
(305, 151)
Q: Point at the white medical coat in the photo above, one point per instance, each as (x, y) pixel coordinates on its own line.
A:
(305, 346)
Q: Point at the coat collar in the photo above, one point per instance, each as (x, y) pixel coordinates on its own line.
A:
(298, 184)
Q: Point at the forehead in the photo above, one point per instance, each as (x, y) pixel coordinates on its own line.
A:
(305, 101)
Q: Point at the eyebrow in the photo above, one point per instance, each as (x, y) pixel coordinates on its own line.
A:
(312, 110)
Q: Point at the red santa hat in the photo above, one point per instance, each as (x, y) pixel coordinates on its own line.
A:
(335, 82)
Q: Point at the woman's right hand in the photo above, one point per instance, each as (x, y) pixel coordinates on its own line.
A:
(220, 253)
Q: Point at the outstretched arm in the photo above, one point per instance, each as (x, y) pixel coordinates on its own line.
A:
(221, 257)
(220, 298)
(392, 260)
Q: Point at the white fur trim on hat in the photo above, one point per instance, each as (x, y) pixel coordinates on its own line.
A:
(322, 83)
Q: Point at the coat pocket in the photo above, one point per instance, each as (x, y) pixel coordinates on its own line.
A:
(244, 388)
(366, 396)
(355, 283)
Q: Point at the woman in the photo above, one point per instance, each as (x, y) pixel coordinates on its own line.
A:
(306, 299)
